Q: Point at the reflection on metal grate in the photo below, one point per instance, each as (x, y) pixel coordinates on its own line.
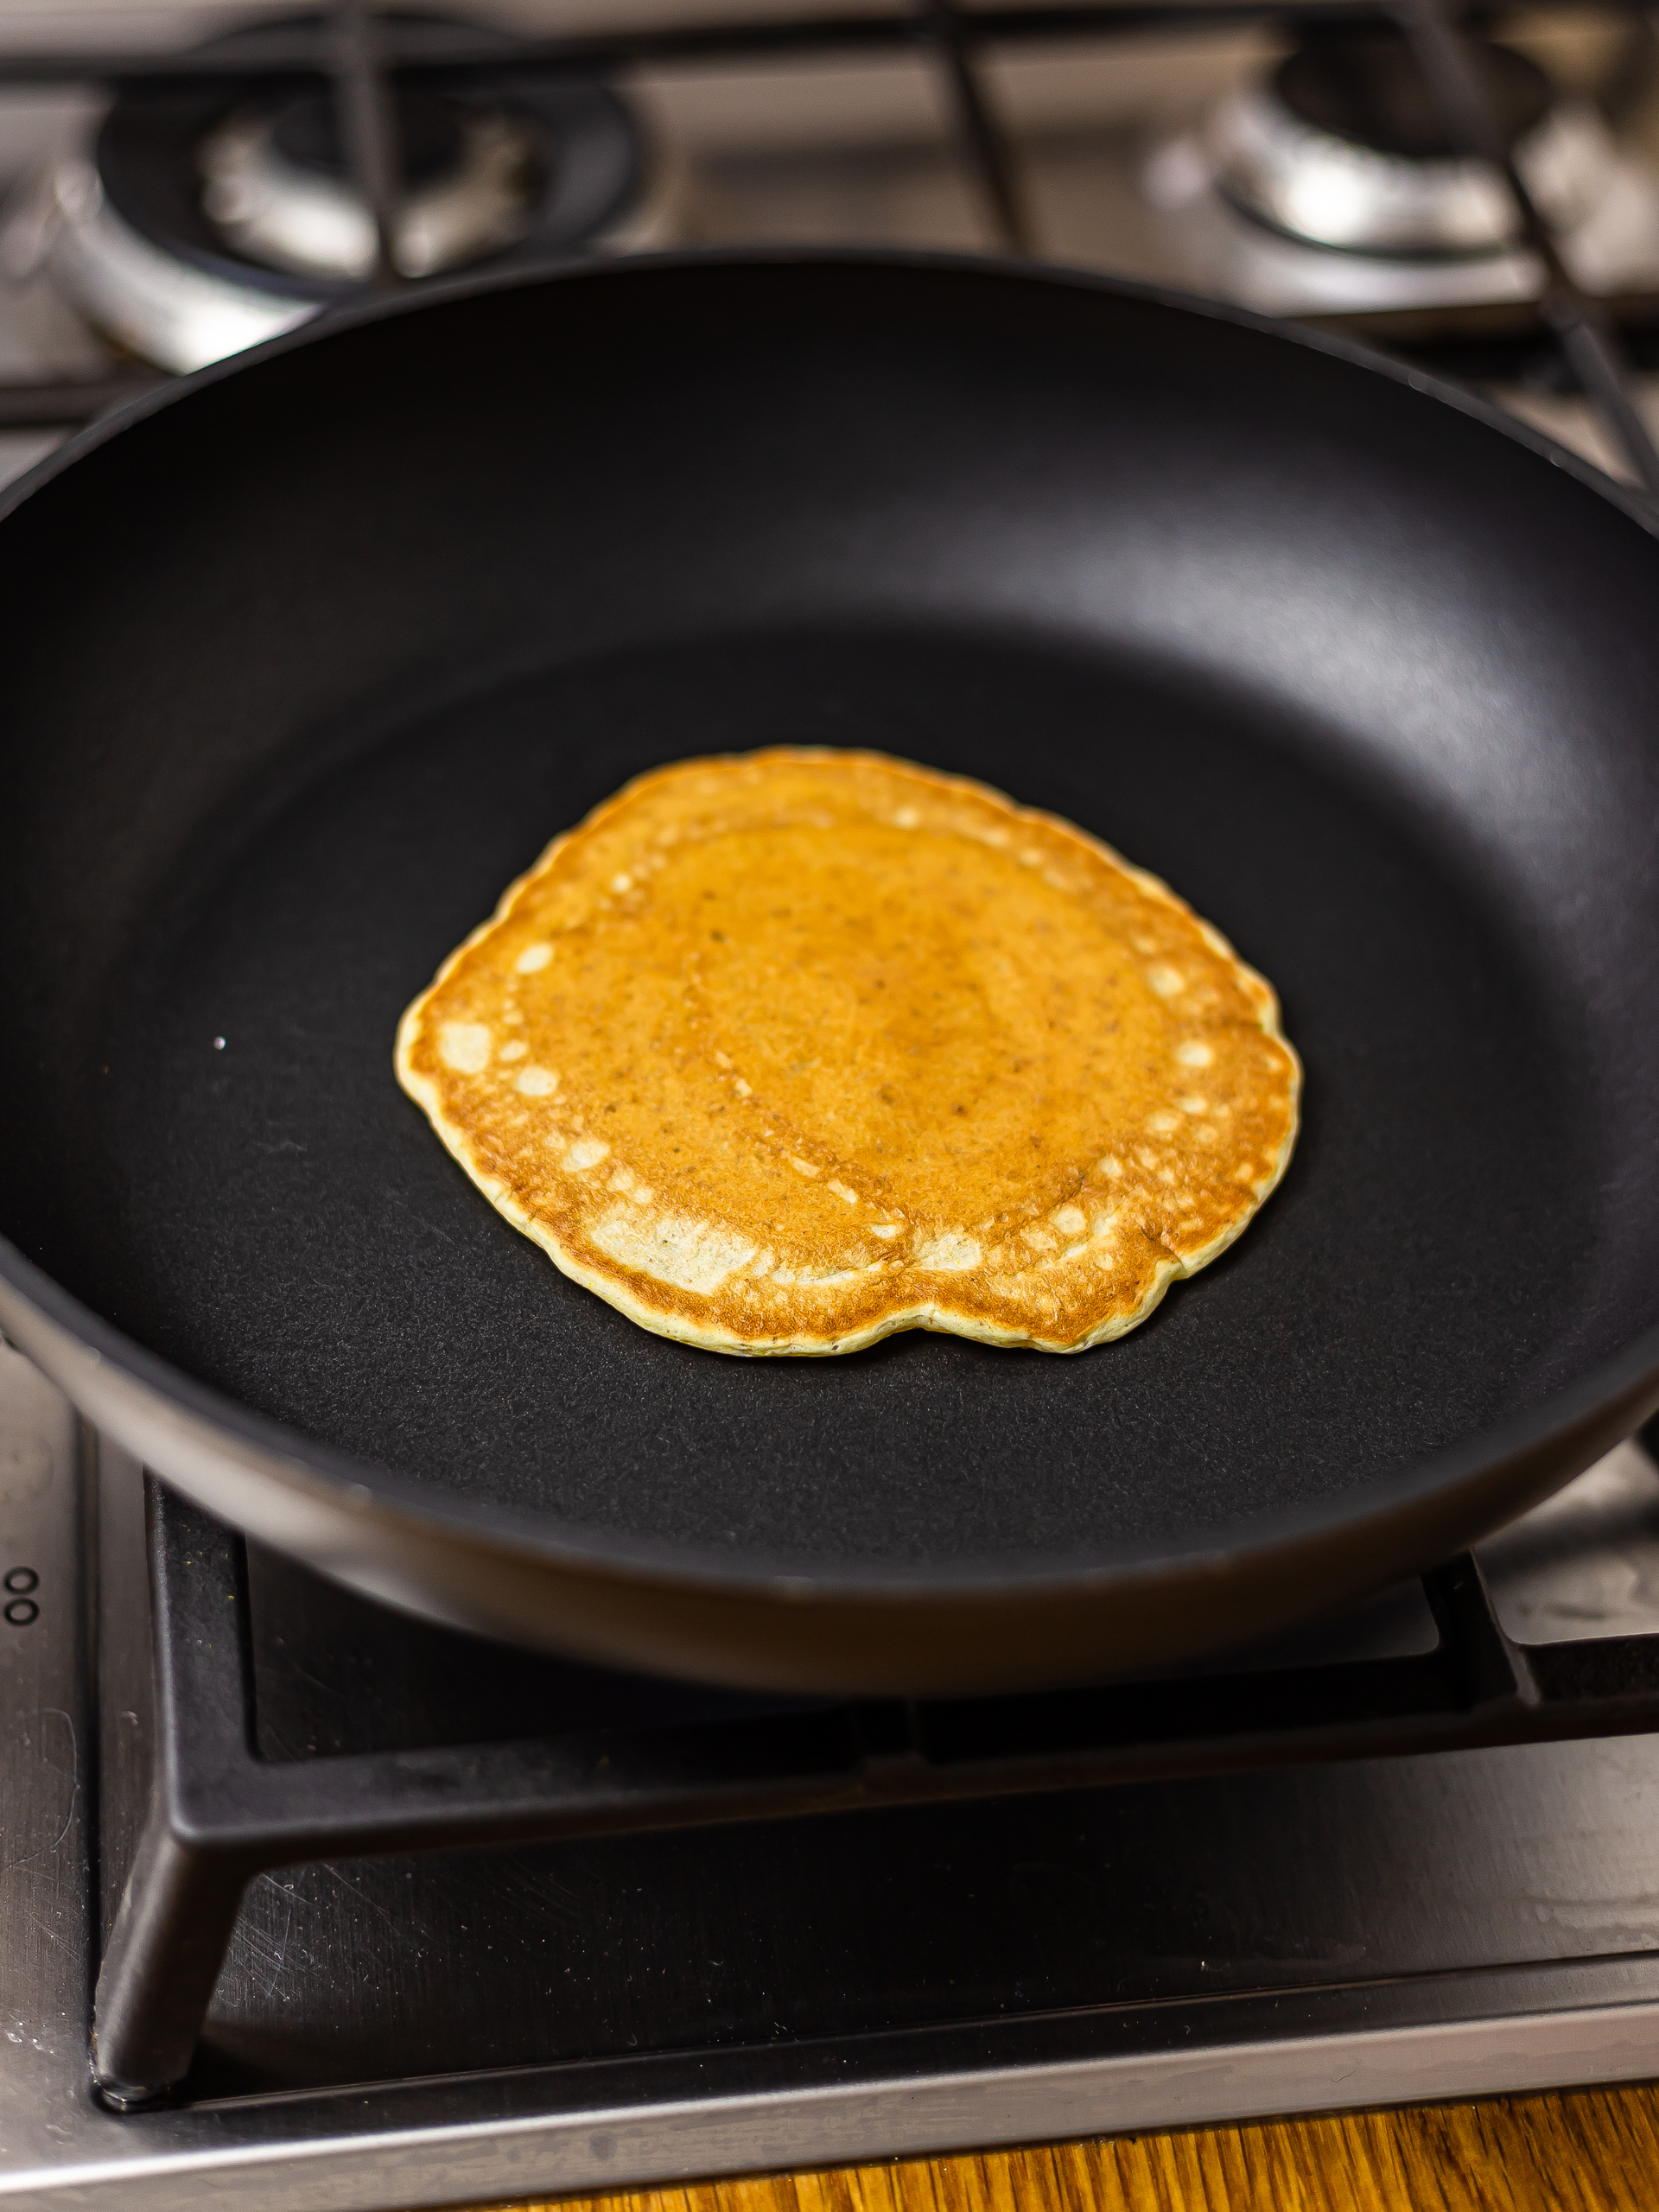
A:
(362, 55)
(221, 1813)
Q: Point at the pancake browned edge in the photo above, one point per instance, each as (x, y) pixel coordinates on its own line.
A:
(784, 1051)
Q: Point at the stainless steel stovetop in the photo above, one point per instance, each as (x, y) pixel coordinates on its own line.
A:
(520, 2022)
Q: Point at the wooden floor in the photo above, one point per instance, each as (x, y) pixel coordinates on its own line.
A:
(1587, 2152)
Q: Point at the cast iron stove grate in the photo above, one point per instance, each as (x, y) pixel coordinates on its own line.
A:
(231, 1799)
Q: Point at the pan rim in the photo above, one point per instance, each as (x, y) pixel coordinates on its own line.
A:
(377, 1492)
(286, 1455)
(1635, 504)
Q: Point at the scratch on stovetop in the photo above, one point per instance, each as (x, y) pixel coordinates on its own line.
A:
(355, 1890)
(55, 1712)
(276, 1953)
(564, 1904)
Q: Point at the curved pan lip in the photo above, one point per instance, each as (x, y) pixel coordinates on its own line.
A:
(623, 268)
(286, 1455)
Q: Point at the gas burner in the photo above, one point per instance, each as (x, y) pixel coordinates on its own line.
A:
(1330, 187)
(193, 224)
(275, 186)
(1343, 147)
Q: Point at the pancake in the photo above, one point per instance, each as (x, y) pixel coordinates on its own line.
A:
(782, 1052)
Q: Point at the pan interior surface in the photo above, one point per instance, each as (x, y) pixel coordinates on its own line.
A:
(249, 1194)
(290, 1229)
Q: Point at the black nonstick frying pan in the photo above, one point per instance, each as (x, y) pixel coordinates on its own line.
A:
(305, 661)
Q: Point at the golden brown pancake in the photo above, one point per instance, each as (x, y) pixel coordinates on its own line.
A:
(785, 1051)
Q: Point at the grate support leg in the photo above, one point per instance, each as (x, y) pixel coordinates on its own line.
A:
(163, 1961)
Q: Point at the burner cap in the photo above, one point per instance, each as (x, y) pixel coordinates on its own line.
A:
(305, 132)
(276, 183)
(1344, 148)
(195, 220)
(1365, 86)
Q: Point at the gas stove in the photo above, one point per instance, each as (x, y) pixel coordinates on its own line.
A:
(762, 1932)
(171, 198)
(412, 1918)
